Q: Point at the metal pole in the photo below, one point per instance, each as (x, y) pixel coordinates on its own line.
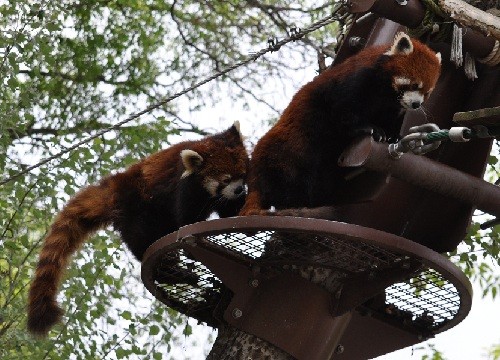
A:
(425, 173)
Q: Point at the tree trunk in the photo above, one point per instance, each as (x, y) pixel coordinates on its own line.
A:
(484, 4)
(234, 344)
(470, 16)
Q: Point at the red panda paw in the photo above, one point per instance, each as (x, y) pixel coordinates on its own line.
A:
(251, 212)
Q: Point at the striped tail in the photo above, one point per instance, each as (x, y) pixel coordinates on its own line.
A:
(88, 211)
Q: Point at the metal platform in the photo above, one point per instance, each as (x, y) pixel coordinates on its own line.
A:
(290, 281)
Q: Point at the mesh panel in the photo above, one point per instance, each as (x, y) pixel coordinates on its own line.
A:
(429, 298)
(426, 301)
(187, 285)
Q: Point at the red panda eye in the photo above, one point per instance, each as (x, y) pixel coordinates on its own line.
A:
(225, 179)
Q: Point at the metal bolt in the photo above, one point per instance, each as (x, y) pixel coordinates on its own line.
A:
(340, 349)
(254, 283)
(356, 41)
(237, 313)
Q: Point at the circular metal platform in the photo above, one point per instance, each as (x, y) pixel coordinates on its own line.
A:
(203, 267)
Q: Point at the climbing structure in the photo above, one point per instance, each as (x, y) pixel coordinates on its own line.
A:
(374, 281)
(310, 287)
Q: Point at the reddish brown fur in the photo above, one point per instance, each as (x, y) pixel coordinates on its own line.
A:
(411, 66)
(295, 164)
(143, 203)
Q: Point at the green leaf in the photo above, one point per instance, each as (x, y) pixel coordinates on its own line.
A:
(188, 330)
(121, 353)
(126, 315)
(154, 330)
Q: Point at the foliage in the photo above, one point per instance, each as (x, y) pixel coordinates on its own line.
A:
(435, 353)
(494, 352)
(71, 68)
(478, 255)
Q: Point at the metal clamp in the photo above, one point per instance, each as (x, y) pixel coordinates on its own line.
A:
(415, 141)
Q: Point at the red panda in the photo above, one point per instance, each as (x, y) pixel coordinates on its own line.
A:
(171, 188)
(294, 165)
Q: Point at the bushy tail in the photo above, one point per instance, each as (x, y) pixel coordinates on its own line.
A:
(84, 214)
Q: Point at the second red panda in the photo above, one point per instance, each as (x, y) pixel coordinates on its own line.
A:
(171, 188)
(294, 165)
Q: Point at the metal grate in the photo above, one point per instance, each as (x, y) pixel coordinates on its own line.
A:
(297, 248)
(428, 298)
(187, 285)
(426, 301)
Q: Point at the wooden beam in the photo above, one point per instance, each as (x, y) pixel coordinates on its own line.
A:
(486, 116)
(470, 16)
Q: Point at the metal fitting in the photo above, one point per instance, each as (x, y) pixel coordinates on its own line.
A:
(237, 313)
(356, 41)
(190, 240)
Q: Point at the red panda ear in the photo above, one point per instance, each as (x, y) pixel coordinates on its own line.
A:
(402, 45)
(236, 126)
(438, 55)
(191, 160)
(236, 138)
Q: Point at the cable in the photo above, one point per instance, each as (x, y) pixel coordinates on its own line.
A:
(274, 45)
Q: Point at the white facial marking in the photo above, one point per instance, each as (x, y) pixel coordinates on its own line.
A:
(420, 84)
(229, 191)
(401, 80)
(211, 186)
(411, 98)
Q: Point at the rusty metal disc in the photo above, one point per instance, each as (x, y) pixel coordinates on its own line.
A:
(203, 267)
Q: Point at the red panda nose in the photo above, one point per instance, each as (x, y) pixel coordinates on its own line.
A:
(239, 190)
(415, 104)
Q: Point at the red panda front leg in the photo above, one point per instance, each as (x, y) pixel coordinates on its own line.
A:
(253, 205)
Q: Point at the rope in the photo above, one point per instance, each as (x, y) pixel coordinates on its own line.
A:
(274, 45)
(433, 22)
(438, 136)
(427, 137)
(493, 58)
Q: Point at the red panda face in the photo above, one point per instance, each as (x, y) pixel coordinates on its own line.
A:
(415, 69)
(223, 173)
(220, 165)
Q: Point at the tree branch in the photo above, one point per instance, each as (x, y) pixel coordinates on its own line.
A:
(77, 78)
(470, 16)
